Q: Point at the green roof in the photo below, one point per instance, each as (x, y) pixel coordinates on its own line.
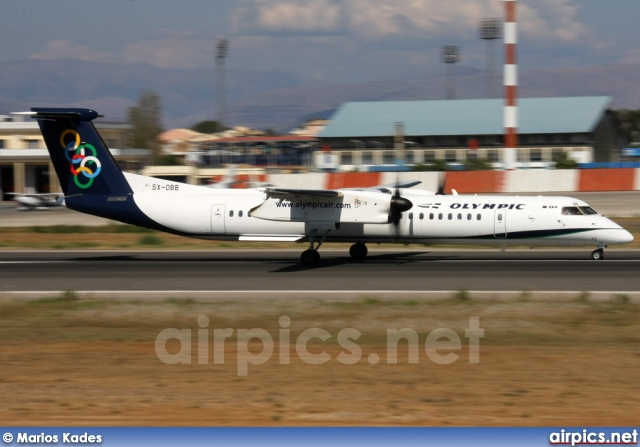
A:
(466, 117)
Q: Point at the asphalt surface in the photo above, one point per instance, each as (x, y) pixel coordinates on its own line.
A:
(269, 271)
(264, 272)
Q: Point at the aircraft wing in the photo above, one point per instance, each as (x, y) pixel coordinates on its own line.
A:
(389, 187)
(409, 184)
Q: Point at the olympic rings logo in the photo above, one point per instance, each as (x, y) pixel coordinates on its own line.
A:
(79, 162)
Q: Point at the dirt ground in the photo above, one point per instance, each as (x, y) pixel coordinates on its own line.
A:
(74, 362)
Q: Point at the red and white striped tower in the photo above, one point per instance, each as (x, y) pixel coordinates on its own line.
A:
(510, 86)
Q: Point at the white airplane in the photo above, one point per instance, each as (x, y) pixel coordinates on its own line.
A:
(230, 180)
(93, 183)
(32, 201)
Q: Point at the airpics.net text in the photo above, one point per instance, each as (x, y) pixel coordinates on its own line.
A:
(441, 345)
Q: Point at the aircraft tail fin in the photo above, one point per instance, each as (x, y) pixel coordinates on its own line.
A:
(83, 163)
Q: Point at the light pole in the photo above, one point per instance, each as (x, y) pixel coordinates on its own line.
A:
(222, 51)
(450, 55)
(490, 30)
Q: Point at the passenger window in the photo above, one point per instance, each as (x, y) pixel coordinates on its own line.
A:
(239, 213)
(450, 216)
(421, 216)
(500, 216)
(431, 216)
(410, 216)
(440, 216)
(479, 216)
(469, 216)
(231, 213)
(459, 216)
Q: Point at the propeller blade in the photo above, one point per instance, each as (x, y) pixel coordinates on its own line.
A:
(397, 206)
(441, 186)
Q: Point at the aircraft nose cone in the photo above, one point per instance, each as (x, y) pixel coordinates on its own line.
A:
(620, 236)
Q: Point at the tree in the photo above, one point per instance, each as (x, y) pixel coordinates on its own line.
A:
(562, 161)
(208, 127)
(168, 160)
(477, 164)
(434, 165)
(145, 119)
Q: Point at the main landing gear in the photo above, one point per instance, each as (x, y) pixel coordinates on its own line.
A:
(311, 257)
(358, 251)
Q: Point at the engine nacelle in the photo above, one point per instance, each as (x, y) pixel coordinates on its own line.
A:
(349, 206)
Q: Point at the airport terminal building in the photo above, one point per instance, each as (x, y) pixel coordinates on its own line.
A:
(360, 135)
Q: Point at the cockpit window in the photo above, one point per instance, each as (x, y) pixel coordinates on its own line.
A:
(587, 210)
(577, 210)
(571, 210)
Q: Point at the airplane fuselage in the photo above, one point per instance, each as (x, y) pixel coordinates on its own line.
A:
(237, 214)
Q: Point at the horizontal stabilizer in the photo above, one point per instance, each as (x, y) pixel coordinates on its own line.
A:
(50, 112)
(389, 187)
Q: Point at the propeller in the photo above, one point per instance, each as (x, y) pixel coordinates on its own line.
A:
(398, 205)
(441, 185)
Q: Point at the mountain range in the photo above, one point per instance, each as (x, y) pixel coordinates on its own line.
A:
(274, 99)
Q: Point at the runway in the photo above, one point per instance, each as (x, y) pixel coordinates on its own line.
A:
(269, 272)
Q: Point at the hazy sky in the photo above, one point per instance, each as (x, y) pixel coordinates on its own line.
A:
(330, 40)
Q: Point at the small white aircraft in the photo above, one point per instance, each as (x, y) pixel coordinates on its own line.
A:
(93, 183)
(32, 201)
(228, 181)
(231, 180)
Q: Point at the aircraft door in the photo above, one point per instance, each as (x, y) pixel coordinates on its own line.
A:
(500, 223)
(217, 219)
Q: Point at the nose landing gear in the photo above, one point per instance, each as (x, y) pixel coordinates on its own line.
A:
(598, 254)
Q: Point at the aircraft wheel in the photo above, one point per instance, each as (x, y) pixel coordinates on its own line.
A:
(597, 255)
(358, 251)
(309, 258)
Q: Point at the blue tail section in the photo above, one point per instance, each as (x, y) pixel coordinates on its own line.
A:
(81, 159)
(90, 177)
